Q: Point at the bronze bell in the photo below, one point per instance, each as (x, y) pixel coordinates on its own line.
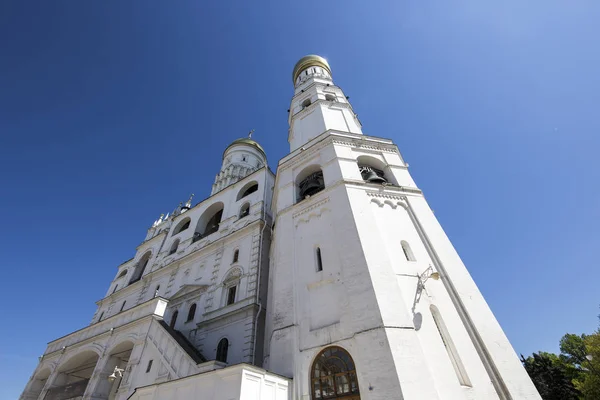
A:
(311, 187)
(372, 177)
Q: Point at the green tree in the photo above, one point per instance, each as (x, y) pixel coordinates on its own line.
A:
(550, 377)
(588, 382)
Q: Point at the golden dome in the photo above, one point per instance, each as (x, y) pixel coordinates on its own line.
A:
(309, 61)
(248, 142)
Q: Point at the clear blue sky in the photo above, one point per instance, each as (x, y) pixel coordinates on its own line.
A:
(112, 112)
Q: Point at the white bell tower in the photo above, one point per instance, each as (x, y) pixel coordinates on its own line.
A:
(368, 298)
(318, 105)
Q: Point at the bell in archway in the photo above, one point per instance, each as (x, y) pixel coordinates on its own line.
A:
(370, 175)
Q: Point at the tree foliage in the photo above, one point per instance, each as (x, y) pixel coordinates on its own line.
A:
(549, 377)
(574, 374)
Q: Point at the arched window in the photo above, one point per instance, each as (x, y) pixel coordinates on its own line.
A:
(230, 285)
(247, 190)
(305, 103)
(245, 210)
(333, 375)
(209, 222)
(310, 182)
(319, 261)
(236, 256)
(174, 247)
(191, 313)
(123, 305)
(139, 268)
(459, 368)
(222, 350)
(181, 226)
(174, 319)
(407, 251)
(330, 97)
(122, 274)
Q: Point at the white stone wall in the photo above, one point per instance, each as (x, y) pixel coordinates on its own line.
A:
(243, 382)
(194, 274)
(366, 299)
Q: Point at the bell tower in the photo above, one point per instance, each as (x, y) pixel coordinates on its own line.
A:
(368, 298)
(318, 104)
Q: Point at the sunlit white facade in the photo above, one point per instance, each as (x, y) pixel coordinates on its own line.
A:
(331, 280)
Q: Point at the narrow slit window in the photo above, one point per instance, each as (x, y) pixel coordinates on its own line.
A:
(319, 260)
(407, 251)
(123, 306)
(459, 368)
(149, 367)
(115, 289)
(236, 256)
(101, 315)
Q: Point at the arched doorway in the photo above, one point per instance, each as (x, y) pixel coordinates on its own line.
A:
(333, 375)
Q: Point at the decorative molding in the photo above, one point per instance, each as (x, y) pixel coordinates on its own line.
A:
(310, 207)
(360, 144)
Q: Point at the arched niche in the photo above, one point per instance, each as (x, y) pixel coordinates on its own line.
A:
(374, 170)
(309, 182)
(209, 221)
(181, 226)
(247, 190)
(140, 267)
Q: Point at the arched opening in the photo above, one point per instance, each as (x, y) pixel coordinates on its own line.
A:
(407, 251)
(182, 226)
(37, 384)
(174, 247)
(330, 97)
(247, 190)
(191, 313)
(73, 376)
(174, 319)
(306, 103)
(222, 349)
(459, 368)
(245, 210)
(140, 267)
(209, 222)
(333, 375)
(118, 357)
(122, 274)
(309, 182)
(374, 170)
